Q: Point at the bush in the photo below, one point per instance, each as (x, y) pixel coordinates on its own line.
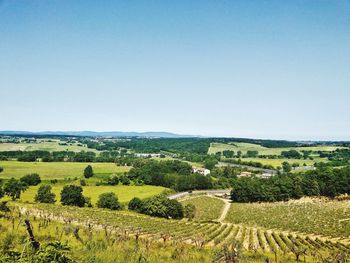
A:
(189, 211)
(113, 180)
(88, 172)
(45, 195)
(125, 180)
(1, 169)
(161, 206)
(72, 195)
(31, 179)
(109, 201)
(135, 204)
(82, 182)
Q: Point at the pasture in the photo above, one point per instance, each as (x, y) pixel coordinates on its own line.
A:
(244, 147)
(44, 145)
(124, 193)
(57, 170)
(207, 208)
(311, 216)
(278, 162)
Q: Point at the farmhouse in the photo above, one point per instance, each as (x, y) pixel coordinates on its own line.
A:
(201, 171)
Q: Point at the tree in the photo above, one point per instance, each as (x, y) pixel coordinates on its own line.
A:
(286, 167)
(44, 195)
(252, 153)
(113, 180)
(72, 195)
(1, 169)
(1, 192)
(13, 188)
(88, 172)
(31, 179)
(125, 180)
(161, 206)
(108, 200)
(135, 204)
(189, 211)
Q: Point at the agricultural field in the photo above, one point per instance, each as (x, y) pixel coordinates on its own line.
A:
(207, 208)
(253, 243)
(311, 216)
(278, 162)
(244, 147)
(57, 170)
(124, 193)
(44, 145)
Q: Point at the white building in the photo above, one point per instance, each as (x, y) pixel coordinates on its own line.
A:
(145, 155)
(202, 171)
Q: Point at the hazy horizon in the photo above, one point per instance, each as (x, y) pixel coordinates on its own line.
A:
(257, 69)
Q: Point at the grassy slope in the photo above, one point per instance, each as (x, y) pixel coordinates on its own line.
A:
(207, 208)
(56, 170)
(330, 218)
(42, 145)
(124, 193)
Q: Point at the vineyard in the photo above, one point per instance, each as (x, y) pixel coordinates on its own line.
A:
(200, 235)
(207, 208)
(314, 216)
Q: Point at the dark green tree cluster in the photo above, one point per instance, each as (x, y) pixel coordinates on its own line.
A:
(31, 179)
(88, 172)
(72, 195)
(324, 181)
(13, 188)
(159, 206)
(172, 174)
(44, 195)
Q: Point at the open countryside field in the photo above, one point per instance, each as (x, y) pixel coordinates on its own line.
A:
(278, 162)
(244, 147)
(124, 193)
(311, 216)
(207, 208)
(43, 145)
(56, 170)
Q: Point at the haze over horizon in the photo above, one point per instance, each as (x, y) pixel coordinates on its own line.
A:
(257, 69)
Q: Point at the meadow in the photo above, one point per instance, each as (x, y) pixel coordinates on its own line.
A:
(278, 162)
(124, 192)
(311, 216)
(207, 208)
(57, 170)
(244, 147)
(44, 145)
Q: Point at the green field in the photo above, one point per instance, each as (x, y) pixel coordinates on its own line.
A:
(56, 170)
(311, 216)
(244, 147)
(207, 208)
(124, 193)
(43, 145)
(278, 162)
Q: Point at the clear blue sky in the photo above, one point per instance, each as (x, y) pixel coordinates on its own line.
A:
(263, 69)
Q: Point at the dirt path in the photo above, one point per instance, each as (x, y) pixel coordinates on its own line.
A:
(224, 210)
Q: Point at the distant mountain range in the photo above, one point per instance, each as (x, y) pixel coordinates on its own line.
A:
(97, 134)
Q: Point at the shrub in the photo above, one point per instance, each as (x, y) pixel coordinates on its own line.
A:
(161, 206)
(135, 204)
(88, 172)
(108, 200)
(82, 182)
(125, 180)
(72, 195)
(189, 211)
(31, 179)
(113, 180)
(45, 195)
(1, 169)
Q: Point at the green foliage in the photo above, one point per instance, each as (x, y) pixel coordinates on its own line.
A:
(286, 167)
(13, 188)
(1, 169)
(45, 195)
(109, 201)
(31, 179)
(161, 206)
(72, 195)
(88, 172)
(1, 192)
(113, 180)
(189, 211)
(124, 180)
(135, 204)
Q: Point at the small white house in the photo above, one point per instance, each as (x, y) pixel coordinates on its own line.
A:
(202, 171)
